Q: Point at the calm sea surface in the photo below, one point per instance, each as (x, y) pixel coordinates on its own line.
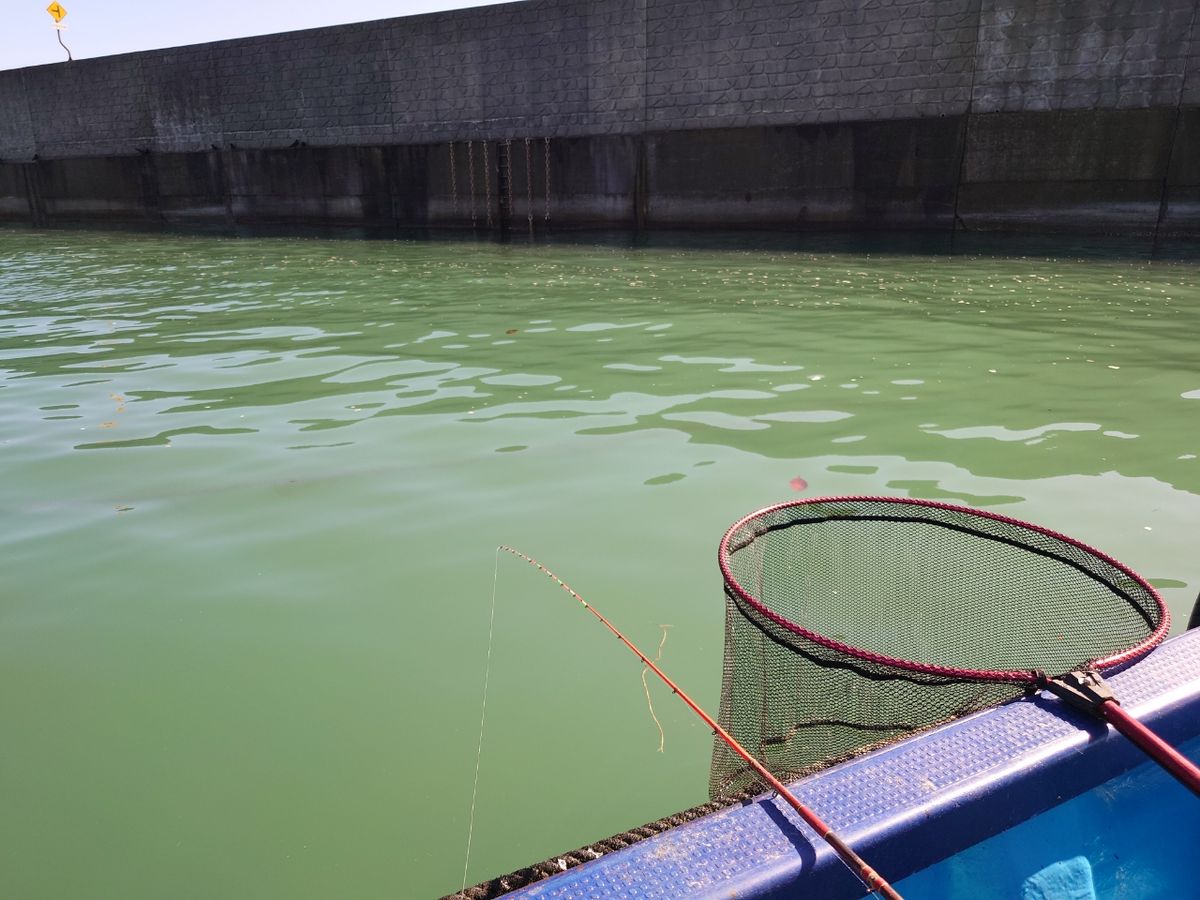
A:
(252, 492)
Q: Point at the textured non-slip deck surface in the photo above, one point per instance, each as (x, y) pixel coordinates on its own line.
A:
(907, 806)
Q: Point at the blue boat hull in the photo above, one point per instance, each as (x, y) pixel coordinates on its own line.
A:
(1032, 792)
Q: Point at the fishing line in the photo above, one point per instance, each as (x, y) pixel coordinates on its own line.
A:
(662, 736)
(869, 877)
(487, 672)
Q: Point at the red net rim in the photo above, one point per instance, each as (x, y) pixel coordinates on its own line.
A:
(1124, 656)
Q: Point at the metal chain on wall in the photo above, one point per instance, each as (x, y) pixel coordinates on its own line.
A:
(453, 181)
(508, 181)
(487, 185)
(529, 184)
(504, 157)
(471, 172)
(547, 177)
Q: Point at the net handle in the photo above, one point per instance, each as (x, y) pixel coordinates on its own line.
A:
(1179, 766)
(995, 675)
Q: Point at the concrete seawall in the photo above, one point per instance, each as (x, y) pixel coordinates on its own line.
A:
(928, 114)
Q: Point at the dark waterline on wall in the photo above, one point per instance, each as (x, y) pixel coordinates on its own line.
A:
(864, 243)
(1120, 172)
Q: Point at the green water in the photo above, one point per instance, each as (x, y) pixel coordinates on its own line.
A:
(252, 491)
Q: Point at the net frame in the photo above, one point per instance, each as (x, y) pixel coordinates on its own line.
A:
(1103, 663)
(857, 638)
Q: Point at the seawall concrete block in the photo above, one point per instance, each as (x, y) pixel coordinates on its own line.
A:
(1126, 50)
(93, 106)
(184, 96)
(613, 70)
(833, 53)
(104, 189)
(1062, 146)
(1181, 215)
(1191, 84)
(1075, 170)
(555, 63)
(855, 174)
(17, 138)
(15, 205)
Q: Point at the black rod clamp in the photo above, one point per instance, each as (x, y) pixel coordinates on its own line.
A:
(1083, 689)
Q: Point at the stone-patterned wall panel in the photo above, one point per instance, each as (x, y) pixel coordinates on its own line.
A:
(534, 68)
(616, 53)
(796, 112)
(88, 107)
(183, 93)
(350, 78)
(16, 128)
(1089, 54)
(585, 67)
(534, 62)
(1191, 81)
(736, 63)
(322, 86)
(435, 78)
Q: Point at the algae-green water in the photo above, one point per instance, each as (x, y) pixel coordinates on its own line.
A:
(252, 491)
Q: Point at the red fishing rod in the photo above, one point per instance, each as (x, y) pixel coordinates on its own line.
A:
(869, 877)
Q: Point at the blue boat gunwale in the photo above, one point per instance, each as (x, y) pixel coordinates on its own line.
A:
(907, 806)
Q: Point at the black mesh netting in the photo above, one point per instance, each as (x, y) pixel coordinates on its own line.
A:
(931, 605)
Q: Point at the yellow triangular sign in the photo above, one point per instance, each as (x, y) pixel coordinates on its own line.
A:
(56, 10)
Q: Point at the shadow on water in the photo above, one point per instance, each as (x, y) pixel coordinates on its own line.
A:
(897, 243)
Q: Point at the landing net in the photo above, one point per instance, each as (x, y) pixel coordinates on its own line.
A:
(853, 622)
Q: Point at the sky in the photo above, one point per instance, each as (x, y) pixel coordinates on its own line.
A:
(104, 27)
